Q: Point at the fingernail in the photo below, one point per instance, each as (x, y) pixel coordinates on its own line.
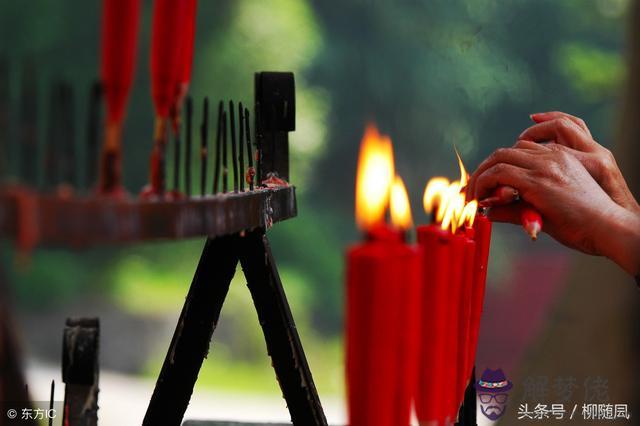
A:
(536, 116)
(487, 202)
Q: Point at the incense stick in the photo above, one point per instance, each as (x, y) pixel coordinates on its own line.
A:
(93, 129)
(52, 140)
(234, 158)
(225, 169)
(51, 399)
(187, 148)
(251, 171)
(176, 160)
(258, 135)
(216, 172)
(67, 132)
(241, 145)
(204, 130)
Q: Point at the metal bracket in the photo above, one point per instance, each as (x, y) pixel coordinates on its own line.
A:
(275, 117)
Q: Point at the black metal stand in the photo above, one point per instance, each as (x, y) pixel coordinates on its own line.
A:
(278, 326)
(80, 371)
(467, 413)
(198, 320)
(190, 343)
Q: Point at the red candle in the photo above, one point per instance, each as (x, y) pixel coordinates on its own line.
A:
(383, 279)
(482, 227)
(382, 296)
(120, 21)
(187, 37)
(436, 251)
(449, 257)
(465, 314)
(168, 34)
(452, 324)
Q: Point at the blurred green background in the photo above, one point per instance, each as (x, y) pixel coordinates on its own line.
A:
(431, 74)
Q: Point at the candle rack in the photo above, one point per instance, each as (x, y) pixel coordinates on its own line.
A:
(234, 221)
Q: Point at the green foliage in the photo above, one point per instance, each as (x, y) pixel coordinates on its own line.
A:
(594, 74)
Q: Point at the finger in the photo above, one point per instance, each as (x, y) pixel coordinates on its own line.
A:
(501, 196)
(562, 131)
(539, 117)
(502, 174)
(529, 145)
(516, 157)
(505, 214)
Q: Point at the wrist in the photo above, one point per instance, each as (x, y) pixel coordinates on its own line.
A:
(619, 239)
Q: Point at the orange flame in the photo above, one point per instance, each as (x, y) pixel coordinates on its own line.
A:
(399, 205)
(374, 178)
(449, 199)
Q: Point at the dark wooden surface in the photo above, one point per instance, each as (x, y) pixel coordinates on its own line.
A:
(32, 219)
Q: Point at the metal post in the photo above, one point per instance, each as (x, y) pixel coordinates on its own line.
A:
(280, 333)
(190, 343)
(80, 371)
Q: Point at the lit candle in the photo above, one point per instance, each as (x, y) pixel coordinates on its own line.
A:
(382, 303)
(482, 231)
(465, 312)
(436, 250)
(448, 257)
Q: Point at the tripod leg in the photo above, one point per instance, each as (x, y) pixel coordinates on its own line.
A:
(467, 414)
(190, 342)
(283, 342)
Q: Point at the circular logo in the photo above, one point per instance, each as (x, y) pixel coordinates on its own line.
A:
(12, 414)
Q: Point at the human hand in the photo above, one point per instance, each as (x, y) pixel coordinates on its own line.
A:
(574, 136)
(577, 211)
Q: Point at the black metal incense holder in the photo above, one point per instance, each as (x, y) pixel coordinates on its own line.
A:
(233, 216)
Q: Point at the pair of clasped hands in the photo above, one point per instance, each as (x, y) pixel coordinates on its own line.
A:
(558, 168)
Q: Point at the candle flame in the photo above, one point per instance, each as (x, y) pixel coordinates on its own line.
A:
(468, 214)
(374, 178)
(448, 199)
(399, 205)
(433, 193)
(464, 176)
